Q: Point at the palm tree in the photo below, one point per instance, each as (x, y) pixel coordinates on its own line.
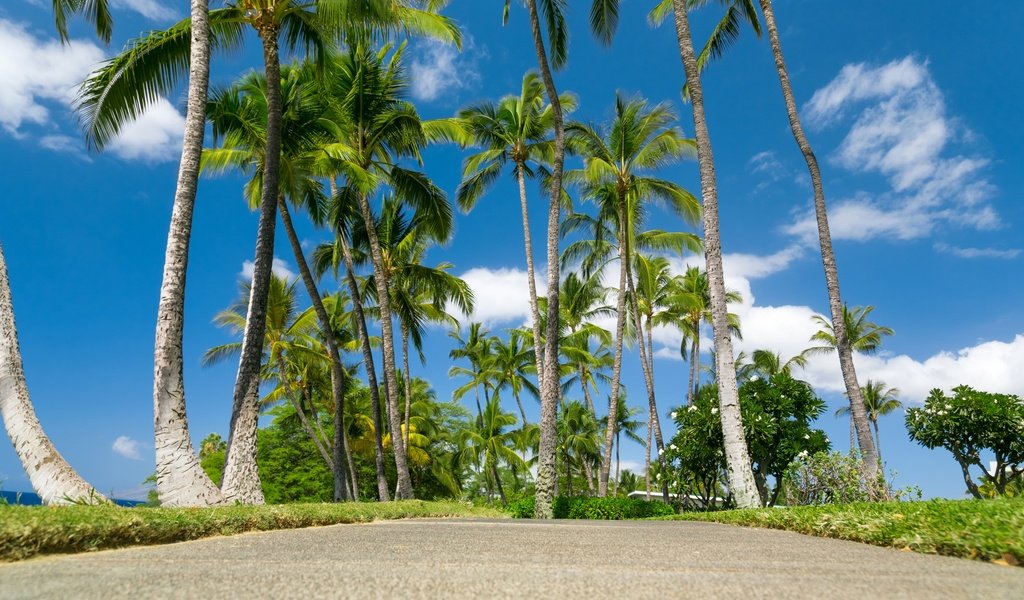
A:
(475, 348)
(96, 12)
(513, 361)
(863, 336)
(51, 476)
(578, 443)
(879, 401)
(516, 131)
(741, 477)
(377, 129)
(618, 160)
(582, 299)
(603, 22)
(489, 443)
(769, 364)
(625, 422)
(844, 345)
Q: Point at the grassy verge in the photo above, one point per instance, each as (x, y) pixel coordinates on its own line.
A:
(27, 531)
(990, 530)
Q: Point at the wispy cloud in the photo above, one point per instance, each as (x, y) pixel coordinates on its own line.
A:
(280, 268)
(127, 447)
(154, 137)
(440, 69)
(151, 9)
(1009, 253)
(901, 130)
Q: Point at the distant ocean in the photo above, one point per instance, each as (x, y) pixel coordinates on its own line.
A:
(32, 499)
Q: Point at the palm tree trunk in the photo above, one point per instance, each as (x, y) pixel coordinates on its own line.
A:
(647, 457)
(613, 398)
(51, 476)
(583, 373)
(180, 480)
(404, 484)
(406, 379)
(337, 377)
(241, 476)
(371, 371)
(648, 381)
(497, 483)
(615, 489)
(878, 442)
(342, 453)
(695, 366)
(534, 309)
(519, 402)
(828, 258)
(546, 475)
(741, 478)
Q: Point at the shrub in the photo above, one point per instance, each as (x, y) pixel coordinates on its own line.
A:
(837, 478)
(609, 509)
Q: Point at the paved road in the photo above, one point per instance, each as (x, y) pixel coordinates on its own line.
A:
(511, 559)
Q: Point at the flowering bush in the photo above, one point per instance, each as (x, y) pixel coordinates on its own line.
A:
(971, 422)
(833, 478)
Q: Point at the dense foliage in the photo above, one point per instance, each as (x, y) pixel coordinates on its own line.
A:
(970, 423)
(608, 508)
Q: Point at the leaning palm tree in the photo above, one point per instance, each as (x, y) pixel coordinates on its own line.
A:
(741, 477)
(516, 131)
(879, 401)
(617, 175)
(51, 476)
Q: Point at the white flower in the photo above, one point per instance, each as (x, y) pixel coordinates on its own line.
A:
(754, 378)
(661, 451)
(692, 408)
(714, 411)
(807, 436)
(673, 446)
(673, 415)
(803, 455)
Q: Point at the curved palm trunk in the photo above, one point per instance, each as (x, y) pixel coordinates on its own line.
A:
(584, 373)
(51, 476)
(538, 353)
(519, 402)
(406, 378)
(655, 422)
(344, 489)
(371, 370)
(241, 475)
(546, 475)
(497, 482)
(180, 480)
(618, 442)
(647, 458)
(741, 478)
(304, 421)
(878, 443)
(828, 257)
(613, 397)
(404, 486)
(337, 377)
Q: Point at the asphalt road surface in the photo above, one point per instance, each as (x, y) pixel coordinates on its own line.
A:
(510, 559)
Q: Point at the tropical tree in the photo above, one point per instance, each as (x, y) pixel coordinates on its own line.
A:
(578, 443)
(879, 401)
(95, 12)
(489, 444)
(516, 131)
(689, 309)
(741, 478)
(476, 348)
(617, 175)
(514, 362)
(582, 300)
(625, 422)
(769, 364)
(52, 478)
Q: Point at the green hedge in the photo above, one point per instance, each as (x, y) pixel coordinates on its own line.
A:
(608, 509)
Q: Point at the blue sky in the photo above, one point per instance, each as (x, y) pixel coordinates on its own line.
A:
(910, 109)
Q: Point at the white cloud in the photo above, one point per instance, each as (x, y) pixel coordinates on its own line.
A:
(151, 9)
(127, 447)
(36, 72)
(978, 252)
(280, 268)
(902, 131)
(442, 69)
(61, 143)
(500, 295)
(154, 137)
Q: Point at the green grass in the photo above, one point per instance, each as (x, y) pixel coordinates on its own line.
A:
(990, 530)
(27, 531)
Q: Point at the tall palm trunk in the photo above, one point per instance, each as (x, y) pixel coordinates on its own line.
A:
(647, 457)
(180, 480)
(652, 403)
(583, 372)
(304, 420)
(546, 475)
(371, 370)
(694, 367)
(404, 485)
(538, 352)
(615, 489)
(519, 402)
(828, 257)
(878, 441)
(406, 378)
(741, 477)
(51, 476)
(337, 377)
(497, 482)
(613, 397)
(241, 476)
(342, 453)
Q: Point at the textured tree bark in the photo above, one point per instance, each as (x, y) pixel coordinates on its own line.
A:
(828, 258)
(180, 480)
(519, 402)
(371, 371)
(241, 475)
(404, 485)
(304, 421)
(546, 475)
(406, 378)
(741, 478)
(51, 476)
(337, 377)
(584, 373)
(538, 352)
